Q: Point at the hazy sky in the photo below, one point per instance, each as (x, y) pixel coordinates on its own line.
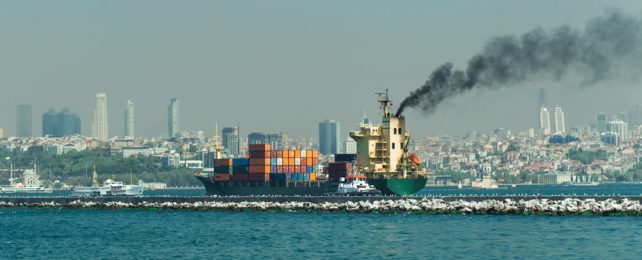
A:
(278, 65)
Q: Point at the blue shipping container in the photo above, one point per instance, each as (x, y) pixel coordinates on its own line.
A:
(273, 161)
(288, 176)
(240, 161)
(273, 168)
(309, 168)
(306, 176)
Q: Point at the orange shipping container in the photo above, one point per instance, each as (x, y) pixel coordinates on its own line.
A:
(315, 153)
(308, 161)
(313, 176)
(315, 161)
(291, 153)
(308, 153)
(291, 161)
(297, 153)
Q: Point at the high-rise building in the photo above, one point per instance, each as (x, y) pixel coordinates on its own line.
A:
(23, 121)
(129, 119)
(541, 98)
(560, 127)
(173, 117)
(635, 116)
(1, 133)
(231, 140)
(100, 126)
(275, 141)
(350, 146)
(601, 122)
(60, 124)
(544, 121)
(329, 137)
(619, 128)
(256, 138)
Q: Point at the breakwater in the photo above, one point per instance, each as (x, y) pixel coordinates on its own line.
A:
(475, 205)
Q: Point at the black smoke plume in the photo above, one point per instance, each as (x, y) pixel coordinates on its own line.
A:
(608, 45)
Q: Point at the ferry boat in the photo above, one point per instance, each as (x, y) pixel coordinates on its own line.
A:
(29, 182)
(110, 188)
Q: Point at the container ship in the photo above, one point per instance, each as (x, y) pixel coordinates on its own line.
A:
(382, 157)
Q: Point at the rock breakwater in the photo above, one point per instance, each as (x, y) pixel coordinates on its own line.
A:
(426, 205)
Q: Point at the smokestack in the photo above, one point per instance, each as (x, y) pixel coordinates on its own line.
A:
(612, 42)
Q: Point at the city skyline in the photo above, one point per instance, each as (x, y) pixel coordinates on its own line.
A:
(345, 75)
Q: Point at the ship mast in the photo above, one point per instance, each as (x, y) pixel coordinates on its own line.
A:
(94, 177)
(131, 178)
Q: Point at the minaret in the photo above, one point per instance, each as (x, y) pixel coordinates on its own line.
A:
(94, 177)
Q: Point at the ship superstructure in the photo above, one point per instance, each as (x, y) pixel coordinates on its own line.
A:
(382, 151)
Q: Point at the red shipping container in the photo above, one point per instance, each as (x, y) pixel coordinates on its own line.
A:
(259, 161)
(222, 162)
(259, 169)
(279, 169)
(259, 147)
(239, 177)
(315, 161)
(260, 154)
(222, 176)
(273, 154)
(291, 169)
(259, 176)
(279, 153)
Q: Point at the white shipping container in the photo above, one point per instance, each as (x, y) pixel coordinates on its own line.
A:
(297, 161)
(279, 161)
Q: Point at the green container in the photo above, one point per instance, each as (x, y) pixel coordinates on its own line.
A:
(223, 169)
(240, 169)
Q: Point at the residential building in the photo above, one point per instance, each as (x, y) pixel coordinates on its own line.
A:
(618, 127)
(231, 140)
(601, 122)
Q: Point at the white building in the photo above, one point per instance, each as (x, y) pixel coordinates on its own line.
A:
(560, 127)
(100, 127)
(350, 146)
(129, 119)
(618, 127)
(544, 121)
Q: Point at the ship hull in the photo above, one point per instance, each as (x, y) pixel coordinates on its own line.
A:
(398, 186)
(267, 188)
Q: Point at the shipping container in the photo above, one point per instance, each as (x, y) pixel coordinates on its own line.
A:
(277, 176)
(239, 177)
(290, 154)
(279, 161)
(308, 153)
(291, 169)
(306, 176)
(222, 177)
(313, 176)
(259, 154)
(309, 169)
(259, 176)
(288, 176)
(297, 161)
(240, 162)
(279, 153)
(222, 169)
(260, 147)
(304, 161)
(286, 154)
(345, 157)
(240, 169)
(259, 161)
(273, 168)
(272, 161)
(259, 169)
(297, 153)
(315, 153)
(308, 161)
(279, 169)
(222, 162)
(315, 160)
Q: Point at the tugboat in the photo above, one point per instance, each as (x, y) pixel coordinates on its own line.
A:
(382, 154)
(356, 185)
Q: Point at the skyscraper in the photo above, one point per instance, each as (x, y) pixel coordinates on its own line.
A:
(129, 119)
(60, 124)
(231, 140)
(544, 121)
(173, 117)
(601, 122)
(100, 126)
(635, 116)
(541, 98)
(23, 121)
(560, 127)
(329, 137)
(619, 128)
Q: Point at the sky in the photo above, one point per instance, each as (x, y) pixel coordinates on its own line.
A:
(274, 66)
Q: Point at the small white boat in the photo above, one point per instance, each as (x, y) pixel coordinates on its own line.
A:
(356, 185)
